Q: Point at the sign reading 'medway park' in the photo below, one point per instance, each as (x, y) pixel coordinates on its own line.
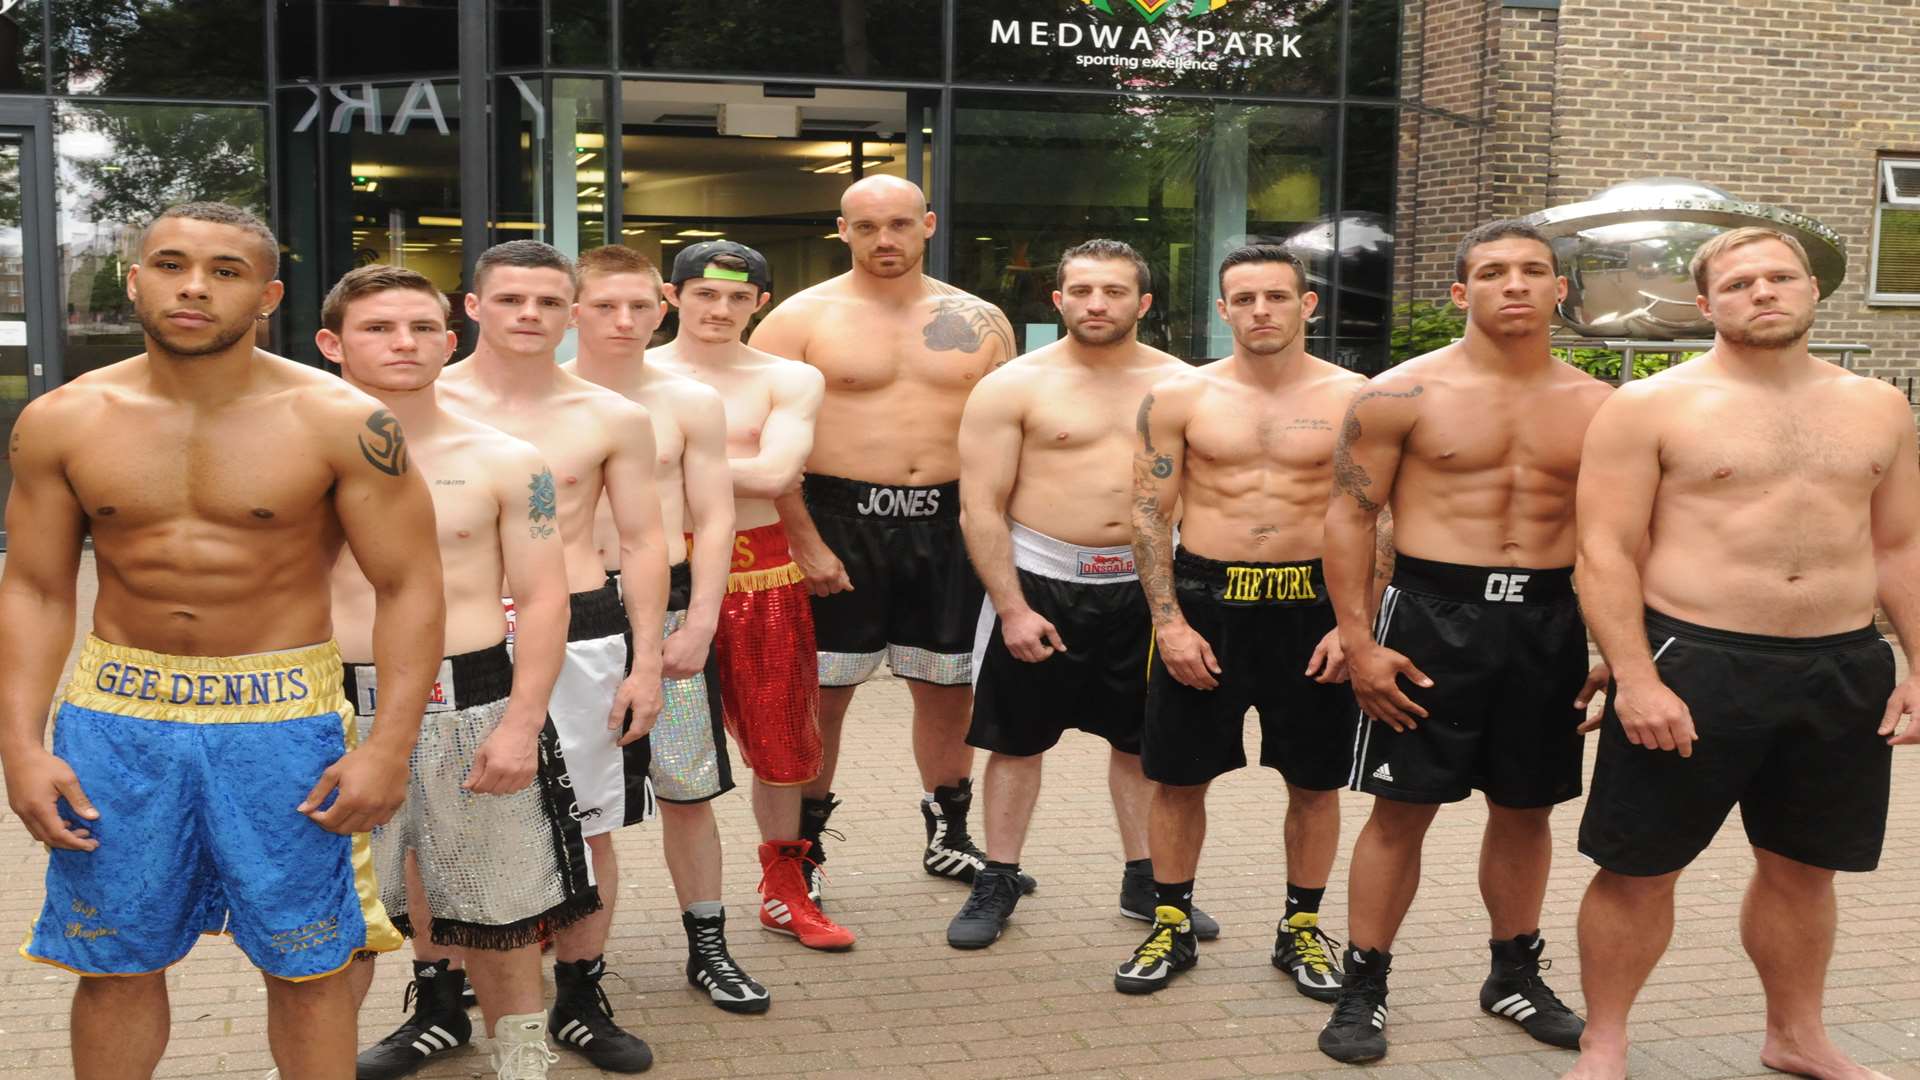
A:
(1247, 46)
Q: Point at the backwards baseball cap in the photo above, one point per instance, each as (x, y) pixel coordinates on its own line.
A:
(696, 261)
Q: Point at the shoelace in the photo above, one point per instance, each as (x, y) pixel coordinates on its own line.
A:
(523, 1055)
(1359, 998)
(806, 864)
(1313, 945)
(986, 889)
(711, 946)
(1537, 989)
(1155, 948)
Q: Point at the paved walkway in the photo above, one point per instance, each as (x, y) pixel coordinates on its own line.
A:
(1041, 1001)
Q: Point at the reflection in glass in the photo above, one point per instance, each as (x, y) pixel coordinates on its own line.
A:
(116, 166)
(1373, 57)
(685, 182)
(391, 188)
(1183, 181)
(580, 31)
(375, 37)
(1365, 241)
(298, 35)
(781, 37)
(21, 31)
(559, 173)
(162, 48)
(13, 313)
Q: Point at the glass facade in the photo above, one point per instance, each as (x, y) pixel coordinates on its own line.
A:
(421, 132)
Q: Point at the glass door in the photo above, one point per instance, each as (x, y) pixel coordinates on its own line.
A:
(14, 366)
(25, 224)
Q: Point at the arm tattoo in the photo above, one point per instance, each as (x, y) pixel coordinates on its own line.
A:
(387, 450)
(1349, 475)
(1383, 549)
(964, 324)
(1152, 532)
(1162, 465)
(541, 505)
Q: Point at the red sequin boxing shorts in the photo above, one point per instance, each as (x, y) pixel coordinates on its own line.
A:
(768, 671)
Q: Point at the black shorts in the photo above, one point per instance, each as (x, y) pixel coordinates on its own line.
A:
(1507, 654)
(1262, 621)
(915, 599)
(1093, 599)
(1789, 730)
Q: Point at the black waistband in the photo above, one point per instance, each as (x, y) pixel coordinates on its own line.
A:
(896, 504)
(480, 677)
(1660, 625)
(680, 586)
(595, 614)
(1483, 584)
(1246, 583)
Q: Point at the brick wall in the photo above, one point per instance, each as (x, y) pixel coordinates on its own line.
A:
(1785, 102)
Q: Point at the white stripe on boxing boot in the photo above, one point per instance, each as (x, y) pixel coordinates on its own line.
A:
(1380, 1017)
(778, 909)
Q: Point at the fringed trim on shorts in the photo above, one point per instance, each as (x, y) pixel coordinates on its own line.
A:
(762, 580)
(465, 935)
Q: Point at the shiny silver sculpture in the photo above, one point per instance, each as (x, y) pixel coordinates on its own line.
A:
(1625, 254)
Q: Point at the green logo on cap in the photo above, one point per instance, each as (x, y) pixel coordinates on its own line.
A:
(721, 273)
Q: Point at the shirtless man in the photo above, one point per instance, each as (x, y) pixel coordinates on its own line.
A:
(1475, 447)
(594, 441)
(764, 649)
(1063, 636)
(1240, 614)
(876, 528)
(617, 307)
(484, 855)
(1777, 497)
(203, 721)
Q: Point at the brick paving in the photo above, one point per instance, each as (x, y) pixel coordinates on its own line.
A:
(1041, 1002)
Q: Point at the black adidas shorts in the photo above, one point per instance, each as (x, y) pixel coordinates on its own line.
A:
(915, 599)
(1789, 730)
(1098, 685)
(1507, 654)
(1262, 621)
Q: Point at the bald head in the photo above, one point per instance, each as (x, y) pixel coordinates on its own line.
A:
(881, 196)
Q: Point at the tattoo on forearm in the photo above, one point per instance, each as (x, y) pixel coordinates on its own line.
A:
(1152, 537)
(1383, 549)
(964, 324)
(542, 505)
(1349, 476)
(1160, 464)
(387, 450)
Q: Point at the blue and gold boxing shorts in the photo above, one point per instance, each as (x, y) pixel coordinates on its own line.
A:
(196, 765)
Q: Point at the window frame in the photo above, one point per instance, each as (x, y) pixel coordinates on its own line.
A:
(1884, 199)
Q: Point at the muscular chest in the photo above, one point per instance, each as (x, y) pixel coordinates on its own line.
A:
(229, 468)
(942, 348)
(1293, 437)
(669, 443)
(1468, 433)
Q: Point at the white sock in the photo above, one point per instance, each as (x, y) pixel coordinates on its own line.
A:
(525, 1028)
(926, 797)
(706, 909)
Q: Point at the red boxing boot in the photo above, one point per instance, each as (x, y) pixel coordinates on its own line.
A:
(784, 906)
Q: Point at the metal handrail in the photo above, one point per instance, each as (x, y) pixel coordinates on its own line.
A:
(1628, 348)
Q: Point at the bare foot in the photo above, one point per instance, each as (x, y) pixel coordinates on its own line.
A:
(1823, 1061)
(1598, 1064)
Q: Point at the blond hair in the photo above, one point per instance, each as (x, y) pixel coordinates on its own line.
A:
(613, 259)
(1727, 241)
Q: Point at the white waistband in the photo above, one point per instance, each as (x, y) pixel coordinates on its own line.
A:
(1038, 553)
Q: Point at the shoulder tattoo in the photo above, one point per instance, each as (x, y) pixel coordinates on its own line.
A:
(1349, 476)
(964, 324)
(386, 450)
(542, 505)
